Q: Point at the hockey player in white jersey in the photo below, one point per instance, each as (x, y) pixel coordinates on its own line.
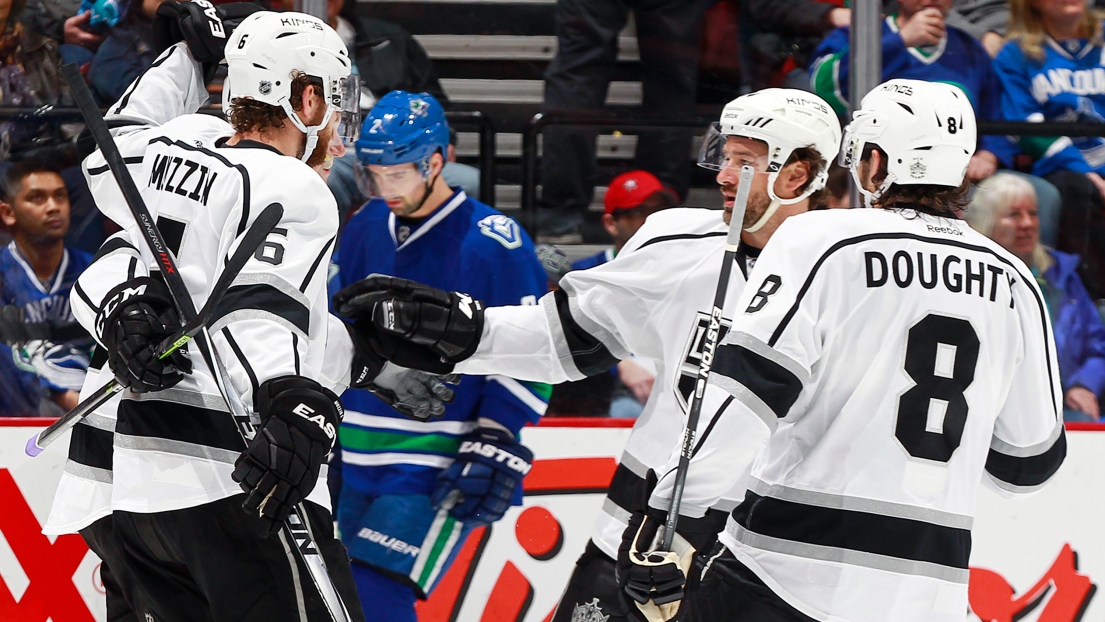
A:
(901, 358)
(652, 300)
(179, 462)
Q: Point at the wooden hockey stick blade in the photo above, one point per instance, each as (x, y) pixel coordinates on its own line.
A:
(251, 241)
(710, 341)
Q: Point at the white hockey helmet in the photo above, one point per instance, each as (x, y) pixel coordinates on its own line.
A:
(784, 119)
(268, 49)
(926, 129)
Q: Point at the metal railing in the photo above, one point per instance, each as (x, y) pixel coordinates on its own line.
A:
(540, 121)
(474, 120)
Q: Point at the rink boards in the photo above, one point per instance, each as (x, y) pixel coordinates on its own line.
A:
(1033, 559)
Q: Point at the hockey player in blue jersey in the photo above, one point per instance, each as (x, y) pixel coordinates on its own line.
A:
(917, 44)
(37, 272)
(413, 490)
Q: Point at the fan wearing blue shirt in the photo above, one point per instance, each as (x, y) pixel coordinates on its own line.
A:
(37, 272)
(411, 491)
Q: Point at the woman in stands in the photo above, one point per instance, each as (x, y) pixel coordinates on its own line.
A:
(1004, 209)
(1051, 70)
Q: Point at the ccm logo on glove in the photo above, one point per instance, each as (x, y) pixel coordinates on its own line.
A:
(124, 294)
(306, 411)
(497, 454)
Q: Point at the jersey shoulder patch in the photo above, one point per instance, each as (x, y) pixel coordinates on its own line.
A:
(503, 229)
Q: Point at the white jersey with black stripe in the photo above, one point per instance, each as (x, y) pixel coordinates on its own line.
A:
(176, 448)
(652, 300)
(905, 356)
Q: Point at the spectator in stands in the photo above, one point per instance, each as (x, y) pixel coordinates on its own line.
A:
(30, 64)
(127, 51)
(61, 21)
(1049, 72)
(668, 34)
(630, 198)
(37, 272)
(985, 20)
(386, 56)
(781, 36)
(1004, 209)
(917, 43)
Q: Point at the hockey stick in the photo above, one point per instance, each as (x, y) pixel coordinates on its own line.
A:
(251, 241)
(709, 346)
(296, 530)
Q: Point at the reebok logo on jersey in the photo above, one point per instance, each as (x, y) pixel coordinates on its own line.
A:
(182, 176)
(388, 542)
(496, 453)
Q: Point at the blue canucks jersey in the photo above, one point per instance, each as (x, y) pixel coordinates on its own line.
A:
(1066, 85)
(464, 246)
(958, 59)
(593, 260)
(60, 366)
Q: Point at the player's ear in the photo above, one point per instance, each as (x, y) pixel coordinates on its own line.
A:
(437, 163)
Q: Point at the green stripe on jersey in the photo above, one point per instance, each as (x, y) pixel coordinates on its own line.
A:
(540, 389)
(370, 440)
(825, 84)
(436, 551)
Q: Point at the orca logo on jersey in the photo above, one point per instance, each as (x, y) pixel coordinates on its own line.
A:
(693, 355)
(502, 229)
(174, 174)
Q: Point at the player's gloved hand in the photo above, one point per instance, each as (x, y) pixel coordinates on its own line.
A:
(414, 393)
(478, 488)
(654, 580)
(136, 317)
(449, 324)
(279, 468)
(203, 26)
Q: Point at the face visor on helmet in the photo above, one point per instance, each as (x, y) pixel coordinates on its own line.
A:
(347, 101)
(717, 155)
(390, 182)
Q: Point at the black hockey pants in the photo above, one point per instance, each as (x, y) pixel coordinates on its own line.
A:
(730, 592)
(207, 564)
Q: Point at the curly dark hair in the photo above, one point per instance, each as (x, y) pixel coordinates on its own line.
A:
(812, 157)
(247, 115)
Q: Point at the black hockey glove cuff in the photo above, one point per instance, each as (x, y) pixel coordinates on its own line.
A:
(280, 466)
(480, 486)
(204, 27)
(449, 324)
(653, 579)
(135, 318)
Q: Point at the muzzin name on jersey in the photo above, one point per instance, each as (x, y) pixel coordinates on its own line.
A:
(928, 270)
(179, 176)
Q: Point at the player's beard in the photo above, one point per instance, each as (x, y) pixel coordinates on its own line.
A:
(758, 202)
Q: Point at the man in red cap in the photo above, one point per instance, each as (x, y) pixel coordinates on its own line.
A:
(630, 198)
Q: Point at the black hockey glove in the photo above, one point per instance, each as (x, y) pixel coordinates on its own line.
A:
(279, 468)
(203, 26)
(478, 488)
(136, 317)
(413, 393)
(449, 324)
(652, 579)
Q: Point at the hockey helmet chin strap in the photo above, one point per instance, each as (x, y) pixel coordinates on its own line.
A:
(311, 131)
(775, 203)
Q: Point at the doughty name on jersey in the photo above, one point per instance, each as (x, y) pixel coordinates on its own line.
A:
(929, 269)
